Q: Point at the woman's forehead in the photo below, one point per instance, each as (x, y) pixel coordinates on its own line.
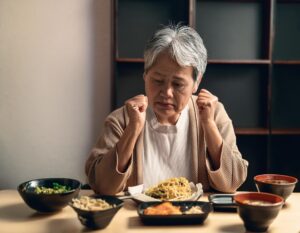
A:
(162, 70)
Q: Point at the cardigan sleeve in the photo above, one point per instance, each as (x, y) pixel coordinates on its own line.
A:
(101, 165)
(233, 168)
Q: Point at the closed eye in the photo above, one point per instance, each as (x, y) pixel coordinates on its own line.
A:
(178, 85)
(158, 81)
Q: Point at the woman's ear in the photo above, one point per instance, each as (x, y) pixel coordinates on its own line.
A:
(197, 83)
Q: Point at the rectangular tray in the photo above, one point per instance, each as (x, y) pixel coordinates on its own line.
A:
(184, 219)
(223, 202)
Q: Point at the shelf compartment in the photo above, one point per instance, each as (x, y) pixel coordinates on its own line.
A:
(129, 82)
(136, 21)
(284, 157)
(287, 33)
(254, 149)
(243, 91)
(234, 30)
(285, 97)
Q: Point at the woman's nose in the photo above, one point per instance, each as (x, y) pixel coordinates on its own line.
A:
(166, 91)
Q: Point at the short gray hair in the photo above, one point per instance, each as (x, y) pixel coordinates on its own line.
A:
(183, 43)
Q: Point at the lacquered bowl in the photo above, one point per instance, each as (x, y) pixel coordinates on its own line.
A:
(281, 185)
(48, 202)
(258, 210)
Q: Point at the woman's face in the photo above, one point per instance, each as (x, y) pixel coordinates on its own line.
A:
(168, 88)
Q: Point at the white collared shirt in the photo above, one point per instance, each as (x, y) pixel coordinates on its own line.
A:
(167, 149)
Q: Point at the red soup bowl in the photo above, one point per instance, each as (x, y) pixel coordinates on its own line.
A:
(281, 185)
(258, 210)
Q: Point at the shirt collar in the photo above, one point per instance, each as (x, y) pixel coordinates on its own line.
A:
(155, 125)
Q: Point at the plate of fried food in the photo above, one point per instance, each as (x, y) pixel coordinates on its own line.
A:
(174, 213)
(172, 189)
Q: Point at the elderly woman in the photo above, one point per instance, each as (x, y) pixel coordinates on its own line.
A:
(169, 132)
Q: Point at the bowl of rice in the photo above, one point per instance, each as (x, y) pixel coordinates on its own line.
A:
(97, 211)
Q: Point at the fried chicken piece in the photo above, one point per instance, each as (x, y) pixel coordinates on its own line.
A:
(166, 208)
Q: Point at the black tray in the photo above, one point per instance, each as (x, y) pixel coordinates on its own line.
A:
(223, 202)
(183, 219)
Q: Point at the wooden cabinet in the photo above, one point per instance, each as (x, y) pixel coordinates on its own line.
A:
(253, 67)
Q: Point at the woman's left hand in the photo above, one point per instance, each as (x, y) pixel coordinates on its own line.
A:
(207, 104)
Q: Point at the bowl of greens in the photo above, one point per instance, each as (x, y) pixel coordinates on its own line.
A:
(49, 194)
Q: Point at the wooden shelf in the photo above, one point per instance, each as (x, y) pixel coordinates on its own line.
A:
(213, 61)
(130, 60)
(251, 131)
(265, 131)
(287, 62)
(242, 62)
(285, 131)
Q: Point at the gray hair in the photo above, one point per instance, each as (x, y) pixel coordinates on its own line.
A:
(183, 43)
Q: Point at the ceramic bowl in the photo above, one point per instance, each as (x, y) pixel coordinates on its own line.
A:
(99, 219)
(48, 202)
(281, 185)
(258, 210)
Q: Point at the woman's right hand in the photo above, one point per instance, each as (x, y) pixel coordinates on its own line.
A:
(136, 108)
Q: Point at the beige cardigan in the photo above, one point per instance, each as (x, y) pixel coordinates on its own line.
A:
(101, 165)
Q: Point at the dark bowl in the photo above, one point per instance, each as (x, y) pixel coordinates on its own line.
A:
(257, 217)
(281, 185)
(48, 202)
(101, 218)
(181, 219)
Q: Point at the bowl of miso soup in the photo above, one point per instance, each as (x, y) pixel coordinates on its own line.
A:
(49, 194)
(281, 185)
(258, 210)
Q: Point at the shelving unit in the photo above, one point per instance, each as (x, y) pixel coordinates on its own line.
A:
(253, 67)
(285, 115)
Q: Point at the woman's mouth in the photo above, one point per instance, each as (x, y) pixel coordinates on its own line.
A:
(166, 106)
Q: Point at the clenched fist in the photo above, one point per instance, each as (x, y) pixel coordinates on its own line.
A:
(136, 108)
(207, 104)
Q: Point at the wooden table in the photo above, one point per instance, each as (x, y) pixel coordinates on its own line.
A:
(16, 216)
